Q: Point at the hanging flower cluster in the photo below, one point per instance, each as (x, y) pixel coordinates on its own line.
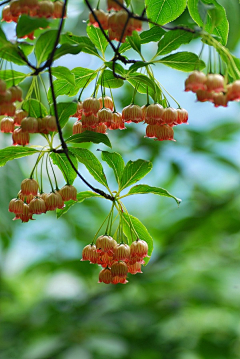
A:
(21, 126)
(29, 201)
(118, 23)
(33, 8)
(97, 115)
(212, 88)
(117, 259)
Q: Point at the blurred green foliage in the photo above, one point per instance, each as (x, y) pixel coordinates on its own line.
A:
(186, 303)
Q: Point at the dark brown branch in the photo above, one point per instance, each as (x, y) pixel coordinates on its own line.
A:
(4, 2)
(64, 145)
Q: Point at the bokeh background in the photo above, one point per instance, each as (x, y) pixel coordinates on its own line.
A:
(185, 305)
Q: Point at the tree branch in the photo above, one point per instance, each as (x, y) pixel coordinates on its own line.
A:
(64, 145)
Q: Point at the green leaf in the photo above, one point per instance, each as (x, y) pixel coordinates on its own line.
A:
(91, 162)
(65, 49)
(153, 34)
(183, 61)
(130, 222)
(135, 42)
(3, 39)
(107, 79)
(81, 196)
(65, 110)
(27, 24)
(117, 68)
(34, 108)
(83, 76)
(98, 39)
(44, 45)
(144, 189)
(63, 73)
(116, 162)
(11, 52)
(133, 172)
(164, 11)
(89, 136)
(143, 84)
(61, 87)
(87, 45)
(10, 153)
(138, 65)
(221, 29)
(172, 40)
(12, 77)
(26, 47)
(61, 160)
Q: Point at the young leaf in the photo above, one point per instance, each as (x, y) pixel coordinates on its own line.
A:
(153, 34)
(10, 153)
(91, 162)
(143, 84)
(26, 48)
(65, 110)
(107, 79)
(135, 41)
(26, 24)
(164, 11)
(81, 196)
(221, 29)
(116, 162)
(44, 45)
(11, 52)
(61, 87)
(34, 108)
(98, 39)
(65, 49)
(89, 136)
(117, 67)
(12, 77)
(172, 40)
(83, 76)
(129, 223)
(138, 65)
(3, 39)
(84, 41)
(143, 189)
(63, 73)
(183, 61)
(133, 172)
(61, 160)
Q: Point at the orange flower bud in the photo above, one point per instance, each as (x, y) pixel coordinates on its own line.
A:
(7, 125)
(91, 105)
(119, 269)
(68, 192)
(19, 116)
(121, 252)
(196, 81)
(106, 102)
(37, 206)
(77, 127)
(29, 186)
(215, 82)
(105, 244)
(20, 138)
(29, 124)
(102, 18)
(105, 276)
(16, 206)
